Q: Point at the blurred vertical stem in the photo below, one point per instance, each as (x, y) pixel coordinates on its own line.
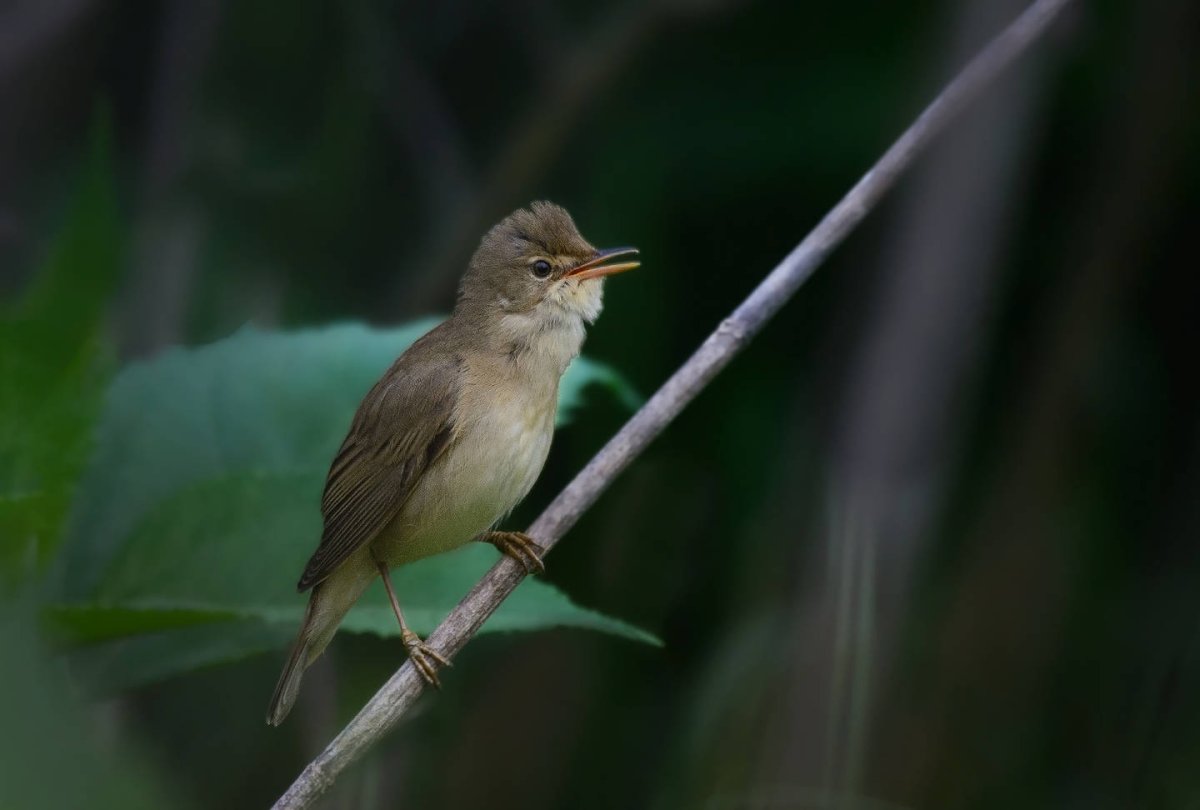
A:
(899, 415)
(386, 708)
(1018, 534)
(165, 256)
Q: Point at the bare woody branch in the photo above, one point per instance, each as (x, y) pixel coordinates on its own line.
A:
(388, 705)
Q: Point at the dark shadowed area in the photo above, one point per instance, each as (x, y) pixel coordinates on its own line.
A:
(932, 541)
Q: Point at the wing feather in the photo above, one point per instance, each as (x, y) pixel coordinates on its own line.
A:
(403, 426)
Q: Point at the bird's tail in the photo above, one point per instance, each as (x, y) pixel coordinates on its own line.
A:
(328, 605)
(293, 671)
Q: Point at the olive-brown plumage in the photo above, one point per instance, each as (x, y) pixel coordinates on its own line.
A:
(454, 434)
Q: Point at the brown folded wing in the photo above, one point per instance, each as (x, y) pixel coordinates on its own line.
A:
(402, 427)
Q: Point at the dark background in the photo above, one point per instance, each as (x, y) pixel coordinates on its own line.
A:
(932, 541)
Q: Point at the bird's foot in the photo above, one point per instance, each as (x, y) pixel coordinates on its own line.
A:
(521, 547)
(424, 658)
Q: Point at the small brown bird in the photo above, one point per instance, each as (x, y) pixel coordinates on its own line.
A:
(453, 436)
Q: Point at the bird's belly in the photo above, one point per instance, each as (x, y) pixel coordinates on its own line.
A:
(488, 469)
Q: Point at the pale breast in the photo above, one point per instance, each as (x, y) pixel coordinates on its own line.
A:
(502, 436)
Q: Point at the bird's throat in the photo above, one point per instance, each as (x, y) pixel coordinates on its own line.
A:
(538, 344)
(531, 348)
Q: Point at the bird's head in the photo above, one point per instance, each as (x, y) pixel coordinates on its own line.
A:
(535, 264)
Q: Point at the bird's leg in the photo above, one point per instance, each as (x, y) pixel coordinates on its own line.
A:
(520, 546)
(424, 657)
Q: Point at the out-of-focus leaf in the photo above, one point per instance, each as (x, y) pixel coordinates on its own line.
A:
(131, 661)
(584, 372)
(202, 503)
(151, 638)
(50, 754)
(257, 403)
(53, 369)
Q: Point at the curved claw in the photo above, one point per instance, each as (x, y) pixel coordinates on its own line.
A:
(424, 658)
(521, 547)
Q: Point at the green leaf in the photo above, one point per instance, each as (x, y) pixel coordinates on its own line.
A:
(584, 372)
(51, 754)
(135, 660)
(201, 505)
(53, 368)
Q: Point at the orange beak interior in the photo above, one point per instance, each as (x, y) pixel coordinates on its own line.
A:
(598, 265)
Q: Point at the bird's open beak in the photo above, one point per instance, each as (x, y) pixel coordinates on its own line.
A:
(596, 266)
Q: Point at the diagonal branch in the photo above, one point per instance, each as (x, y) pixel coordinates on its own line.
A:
(388, 705)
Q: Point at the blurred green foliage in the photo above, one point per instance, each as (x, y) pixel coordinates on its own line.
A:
(52, 756)
(53, 367)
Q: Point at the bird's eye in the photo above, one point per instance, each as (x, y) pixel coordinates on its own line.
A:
(541, 269)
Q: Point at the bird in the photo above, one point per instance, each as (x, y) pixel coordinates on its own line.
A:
(456, 431)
